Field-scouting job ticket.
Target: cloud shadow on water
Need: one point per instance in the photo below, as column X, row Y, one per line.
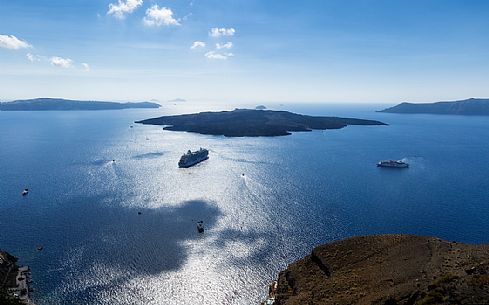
column 260, row 244
column 99, row 237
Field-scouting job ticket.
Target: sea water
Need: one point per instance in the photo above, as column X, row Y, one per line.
column 117, row 218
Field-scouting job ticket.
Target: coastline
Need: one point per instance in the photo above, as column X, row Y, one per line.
column 15, row 279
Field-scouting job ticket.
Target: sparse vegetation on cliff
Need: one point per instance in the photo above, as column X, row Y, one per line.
column 388, row 270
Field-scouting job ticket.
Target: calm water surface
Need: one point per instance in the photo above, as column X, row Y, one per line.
column 297, row 191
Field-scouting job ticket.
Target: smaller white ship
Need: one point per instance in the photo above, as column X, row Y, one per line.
column 25, row 192
column 393, row 163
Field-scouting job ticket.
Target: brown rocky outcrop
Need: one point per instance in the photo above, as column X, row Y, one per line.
column 388, row 269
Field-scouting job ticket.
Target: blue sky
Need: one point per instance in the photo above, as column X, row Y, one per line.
column 269, row 50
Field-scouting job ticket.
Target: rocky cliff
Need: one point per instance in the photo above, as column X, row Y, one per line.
column 388, row 270
column 8, row 269
column 8, row 272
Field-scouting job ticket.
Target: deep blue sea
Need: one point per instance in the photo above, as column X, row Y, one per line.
column 297, row 191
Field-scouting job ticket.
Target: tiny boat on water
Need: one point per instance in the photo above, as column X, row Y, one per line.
column 25, row 192
column 200, row 226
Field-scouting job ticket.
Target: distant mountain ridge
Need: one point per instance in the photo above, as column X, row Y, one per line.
column 47, row 104
column 471, row 106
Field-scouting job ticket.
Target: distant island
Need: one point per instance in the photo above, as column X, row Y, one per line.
column 388, row 270
column 251, row 123
column 260, row 107
column 177, row 100
column 46, row 104
column 472, row 106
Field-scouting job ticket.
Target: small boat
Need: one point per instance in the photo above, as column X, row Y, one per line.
column 139, row 213
column 200, row 226
column 40, row 247
column 269, row 301
column 393, row 164
column 272, row 292
column 25, row 192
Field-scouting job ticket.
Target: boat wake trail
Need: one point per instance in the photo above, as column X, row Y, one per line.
column 416, row 162
column 254, row 186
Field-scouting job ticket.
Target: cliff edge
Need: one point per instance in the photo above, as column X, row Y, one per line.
column 388, row 270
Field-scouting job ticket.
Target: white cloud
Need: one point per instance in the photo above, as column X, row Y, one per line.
column 61, row 62
column 198, row 45
column 185, row 18
column 57, row 61
column 217, row 55
column 33, row 57
column 156, row 16
column 227, row 45
column 218, row 32
column 12, row 42
column 123, row 7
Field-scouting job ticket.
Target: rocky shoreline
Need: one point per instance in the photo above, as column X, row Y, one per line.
column 389, row 270
column 14, row 281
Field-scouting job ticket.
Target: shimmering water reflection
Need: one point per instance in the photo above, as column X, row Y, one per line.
column 264, row 201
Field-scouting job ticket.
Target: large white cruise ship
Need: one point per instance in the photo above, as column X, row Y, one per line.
column 191, row 158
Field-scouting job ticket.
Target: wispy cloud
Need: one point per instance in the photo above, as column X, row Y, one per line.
column 227, row 45
column 13, row 43
column 123, row 7
column 186, row 17
column 218, row 32
column 86, row 66
column 198, row 45
column 61, row 62
column 57, row 61
column 33, row 58
column 217, row 55
column 156, row 16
